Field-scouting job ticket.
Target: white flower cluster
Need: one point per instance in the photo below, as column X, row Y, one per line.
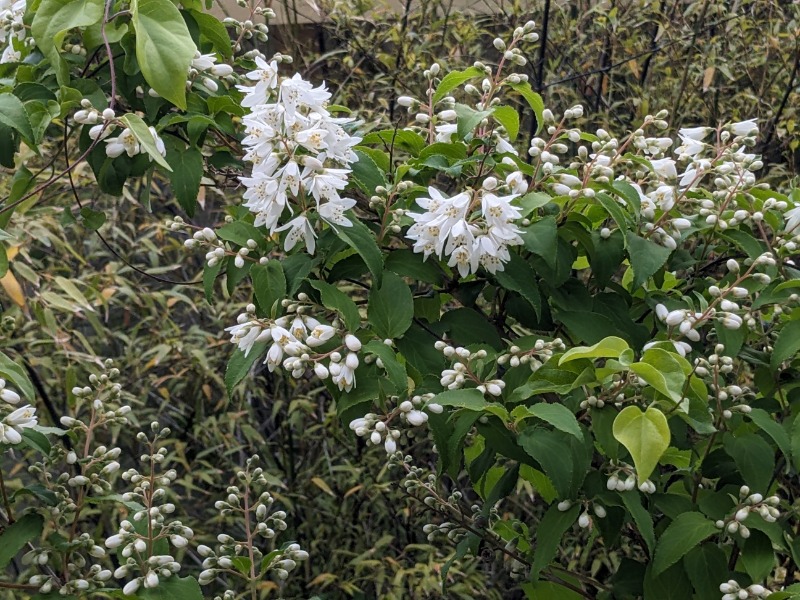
column 732, row 590
column 267, row 522
column 473, row 228
column 12, row 30
column 376, row 429
column 149, row 490
column 103, row 122
column 767, row 509
column 294, row 339
column 15, row 420
column 299, row 154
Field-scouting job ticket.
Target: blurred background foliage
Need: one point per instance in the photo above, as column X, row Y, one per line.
column 72, row 297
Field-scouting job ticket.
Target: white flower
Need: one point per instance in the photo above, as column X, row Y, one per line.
column 299, row 229
column 792, row 217
column 8, row 395
column 13, row 424
column 697, row 134
column 333, row 212
column 665, row 168
column 125, row 142
column 162, row 150
column 749, row 127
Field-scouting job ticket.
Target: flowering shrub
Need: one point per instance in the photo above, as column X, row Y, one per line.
column 605, row 323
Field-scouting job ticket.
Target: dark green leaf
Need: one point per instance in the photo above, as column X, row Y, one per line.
column 92, row 219
column 164, row 48
column 239, row 365
column 185, row 588
column 754, row 458
column 367, row 174
column 706, row 566
column 334, row 299
column 541, row 238
column 787, row 345
column 391, row 307
column 519, row 276
column 549, row 534
column 16, row 535
column 269, row 285
column 683, row 534
column 361, row 239
column 13, row 114
column 646, row 258
column 758, row 557
column 185, row 176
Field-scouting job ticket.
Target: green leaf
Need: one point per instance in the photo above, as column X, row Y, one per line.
column 533, row 99
column 787, row 345
column 758, row 557
column 92, row 219
column 269, row 285
column 394, row 369
column 683, row 534
column 662, row 371
column 646, row 258
column 610, row 347
column 471, row 399
column 558, row 415
column 185, row 176
column 214, row 31
column 16, row 535
column 16, row 375
column 13, row 114
column 549, row 534
column 391, row 307
column 795, row 442
column 541, row 238
column 454, row 79
column 518, row 276
column 366, row 173
column 545, row 448
column 642, row 518
column 773, row 429
column 185, row 588
column 335, row 299
column 164, row 48
column 509, row 119
column 706, row 566
column 361, row 239
column 239, row 365
column 672, row 584
column 397, row 138
column 469, row 119
column 145, row 138
column 645, row 434
column 754, row 458
column 36, row 440
column 51, row 22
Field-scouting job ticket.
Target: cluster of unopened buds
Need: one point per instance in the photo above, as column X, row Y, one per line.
column 15, row 420
column 248, row 29
column 376, row 429
column 104, row 121
column 623, row 479
column 534, row 357
column 464, row 366
column 714, row 367
column 767, row 508
column 585, row 520
column 204, row 65
column 296, row 336
column 732, row 590
column 260, row 520
column 135, row 549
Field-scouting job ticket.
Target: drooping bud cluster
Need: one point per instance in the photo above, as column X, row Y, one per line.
column 732, row 590
column 585, row 520
column 300, row 343
column 299, row 153
column 767, row 509
column 377, row 429
column 136, row 540
column 623, row 478
column 244, row 502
